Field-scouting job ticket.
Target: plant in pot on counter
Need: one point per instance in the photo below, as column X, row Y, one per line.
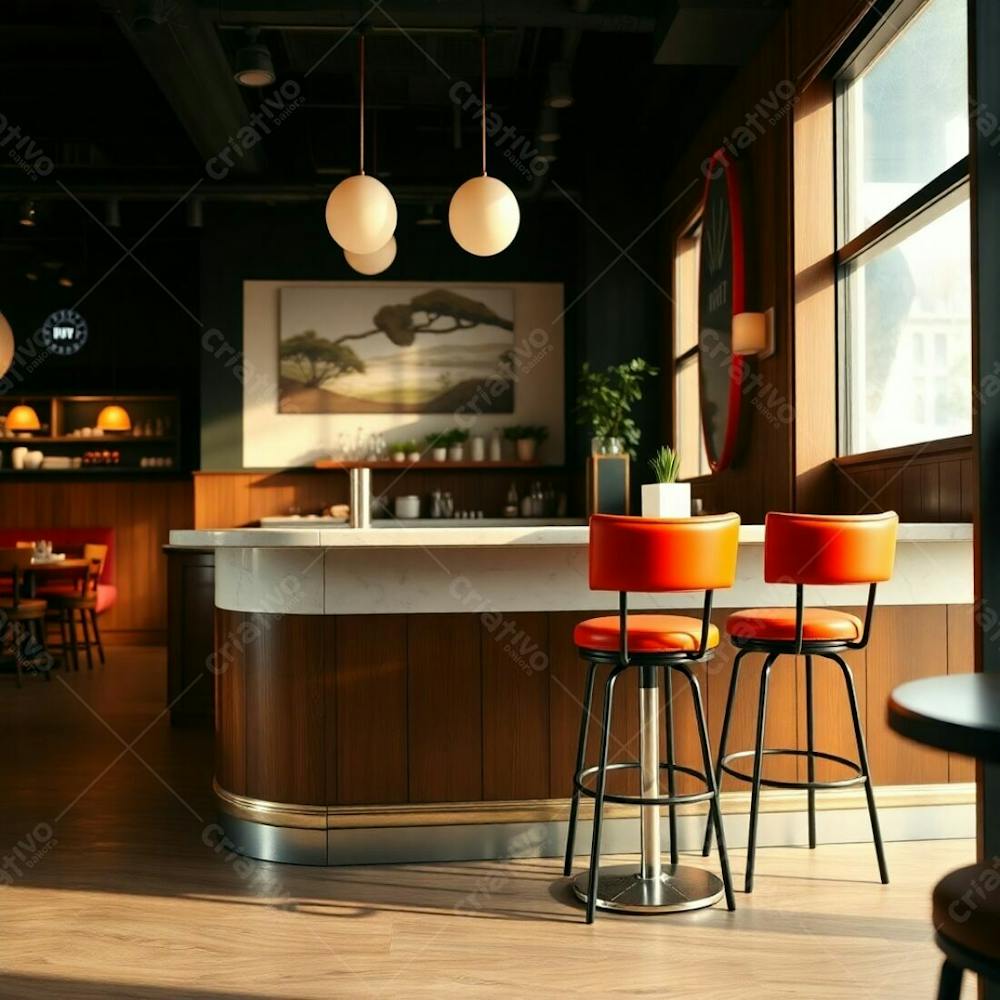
column 605, row 402
column 447, row 445
column 527, row 440
column 401, row 450
column 666, row 497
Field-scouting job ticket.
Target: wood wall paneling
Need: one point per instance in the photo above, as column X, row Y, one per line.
column 906, row 643
column 961, row 660
column 141, row 511
column 445, row 710
column 230, row 702
column 515, row 706
column 430, row 708
column 285, row 718
column 371, row 713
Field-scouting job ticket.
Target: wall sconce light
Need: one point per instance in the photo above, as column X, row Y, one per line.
column 753, row 333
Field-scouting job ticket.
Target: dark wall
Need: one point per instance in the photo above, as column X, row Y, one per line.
column 142, row 318
column 289, row 242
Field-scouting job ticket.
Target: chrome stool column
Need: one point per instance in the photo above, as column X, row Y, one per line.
column 652, row 886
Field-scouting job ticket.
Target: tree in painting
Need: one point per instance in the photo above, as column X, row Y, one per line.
column 394, row 365
column 317, row 359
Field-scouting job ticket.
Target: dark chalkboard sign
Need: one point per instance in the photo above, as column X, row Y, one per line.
column 720, row 296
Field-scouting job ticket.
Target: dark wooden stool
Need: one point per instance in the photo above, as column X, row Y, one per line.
column 22, row 619
column 76, row 608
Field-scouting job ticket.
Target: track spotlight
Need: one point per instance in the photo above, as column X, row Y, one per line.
column 29, row 214
column 560, row 92
column 254, row 66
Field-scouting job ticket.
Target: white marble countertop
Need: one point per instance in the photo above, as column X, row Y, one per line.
column 471, row 535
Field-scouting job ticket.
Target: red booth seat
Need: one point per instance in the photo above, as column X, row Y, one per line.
column 71, row 541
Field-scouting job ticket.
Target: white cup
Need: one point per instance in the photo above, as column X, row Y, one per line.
column 17, row 457
column 407, row 507
column 33, row 460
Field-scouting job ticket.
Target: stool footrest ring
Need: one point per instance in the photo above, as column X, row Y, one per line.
column 638, row 800
column 857, row 778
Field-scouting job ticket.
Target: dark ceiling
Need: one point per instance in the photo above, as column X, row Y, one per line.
column 136, row 99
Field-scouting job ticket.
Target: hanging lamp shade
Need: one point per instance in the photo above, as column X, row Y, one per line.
column 6, row 345
column 484, row 215
column 23, row 418
column 361, row 212
column 373, row 263
column 114, row 418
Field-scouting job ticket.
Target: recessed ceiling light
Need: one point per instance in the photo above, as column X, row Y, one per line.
column 430, row 216
column 548, row 128
column 560, row 91
column 29, row 214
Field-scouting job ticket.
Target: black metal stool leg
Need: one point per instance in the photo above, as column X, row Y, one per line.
column 859, row 737
column 671, row 779
column 726, row 719
column 581, row 756
column 811, row 746
column 758, row 765
column 950, row 984
column 715, row 809
column 602, row 775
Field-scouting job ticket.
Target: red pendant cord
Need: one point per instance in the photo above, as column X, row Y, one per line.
column 482, row 53
column 361, row 60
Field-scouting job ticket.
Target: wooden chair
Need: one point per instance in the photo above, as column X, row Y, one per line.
column 75, row 608
column 99, row 553
column 21, row 618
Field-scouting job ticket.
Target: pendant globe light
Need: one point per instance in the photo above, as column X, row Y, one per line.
column 6, row 345
column 361, row 212
column 484, row 215
column 372, row 263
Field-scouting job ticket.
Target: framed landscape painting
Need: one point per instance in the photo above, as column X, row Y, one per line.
column 395, row 349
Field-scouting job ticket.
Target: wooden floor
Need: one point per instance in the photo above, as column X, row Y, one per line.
column 110, row 888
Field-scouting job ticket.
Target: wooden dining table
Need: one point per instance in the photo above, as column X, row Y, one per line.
column 44, row 569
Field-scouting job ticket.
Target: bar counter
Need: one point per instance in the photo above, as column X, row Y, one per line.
column 412, row 693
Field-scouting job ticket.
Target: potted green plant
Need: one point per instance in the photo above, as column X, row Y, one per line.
column 605, row 405
column 665, row 497
column 399, row 450
column 527, row 440
column 447, row 445
column 413, row 452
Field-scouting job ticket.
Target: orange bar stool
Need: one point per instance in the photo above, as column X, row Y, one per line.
column 649, row 555
column 809, row 549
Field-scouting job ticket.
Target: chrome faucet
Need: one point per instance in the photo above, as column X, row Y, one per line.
column 361, row 498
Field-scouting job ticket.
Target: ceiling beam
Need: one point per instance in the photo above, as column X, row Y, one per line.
column 420, row 15
column 188, row 63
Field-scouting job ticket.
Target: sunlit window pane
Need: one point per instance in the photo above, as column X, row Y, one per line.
column 690, row 440
column 906, row 117
column 908, row 338
column 686, row 295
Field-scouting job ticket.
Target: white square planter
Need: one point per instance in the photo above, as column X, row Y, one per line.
column 666, row 500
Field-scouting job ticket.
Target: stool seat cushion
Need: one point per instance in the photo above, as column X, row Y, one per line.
column 646, row 634
column 818, row 625
column 966, row 908
column 26, row 608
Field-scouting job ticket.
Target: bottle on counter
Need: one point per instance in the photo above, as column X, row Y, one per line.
column 511, row 508
column 477, row 448
column 436, row 504
column 447, row 504
column 496, row 448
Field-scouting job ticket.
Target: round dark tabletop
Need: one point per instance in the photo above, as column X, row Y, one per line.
column 960, row 713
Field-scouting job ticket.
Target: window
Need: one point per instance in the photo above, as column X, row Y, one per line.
column 903, row 256
column 688, row 438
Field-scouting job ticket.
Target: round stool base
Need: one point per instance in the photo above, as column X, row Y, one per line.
column 679, row 887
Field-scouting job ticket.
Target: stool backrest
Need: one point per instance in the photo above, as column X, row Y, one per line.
column 658, row 555
column 829, row 548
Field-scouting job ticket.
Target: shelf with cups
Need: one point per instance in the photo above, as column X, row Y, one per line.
column 108, row 433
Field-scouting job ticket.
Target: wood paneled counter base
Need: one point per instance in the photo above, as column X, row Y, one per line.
column 446, row 729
